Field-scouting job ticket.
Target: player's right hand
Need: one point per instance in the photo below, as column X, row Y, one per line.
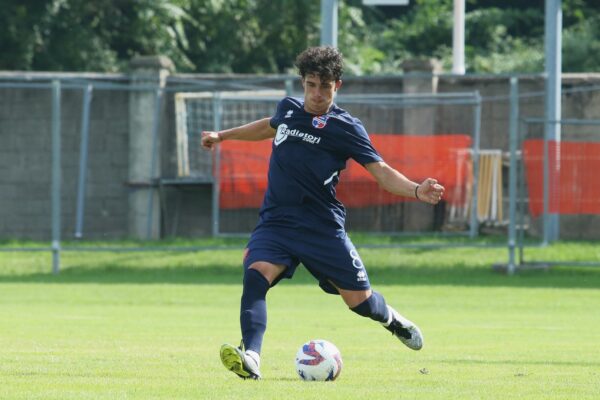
column 210, row 139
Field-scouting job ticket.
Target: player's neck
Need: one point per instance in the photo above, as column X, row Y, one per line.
column 320, row 111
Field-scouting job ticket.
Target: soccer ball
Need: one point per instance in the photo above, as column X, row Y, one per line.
column 318, row 360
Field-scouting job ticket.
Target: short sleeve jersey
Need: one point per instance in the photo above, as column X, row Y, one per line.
column 308, row 154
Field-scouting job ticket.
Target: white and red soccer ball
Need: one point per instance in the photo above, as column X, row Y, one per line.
column 318, row 360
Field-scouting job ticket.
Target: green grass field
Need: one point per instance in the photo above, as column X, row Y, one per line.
column 149, row 326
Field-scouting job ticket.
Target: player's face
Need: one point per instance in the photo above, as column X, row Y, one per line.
column 318, row 95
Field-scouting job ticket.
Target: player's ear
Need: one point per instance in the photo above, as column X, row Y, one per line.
column 338, row 84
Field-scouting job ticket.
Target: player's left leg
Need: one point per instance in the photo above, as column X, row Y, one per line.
column 335, row 262
column 370, row 303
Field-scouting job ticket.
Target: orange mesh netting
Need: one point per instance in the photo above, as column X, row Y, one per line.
column 573, row 171
column 244, row 169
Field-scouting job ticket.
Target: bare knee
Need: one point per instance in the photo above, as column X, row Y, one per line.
column 268, row 270
column 352, row 298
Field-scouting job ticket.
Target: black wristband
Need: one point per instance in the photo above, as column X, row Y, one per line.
column 416, row 195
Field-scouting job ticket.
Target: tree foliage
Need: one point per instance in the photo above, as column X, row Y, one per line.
column 249, row 36
column 264, row 36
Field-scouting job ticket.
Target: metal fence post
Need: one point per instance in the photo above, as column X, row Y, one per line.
column 83, row 159
column 154, row 160
column 553, row 55
column 289, row 87
column 512, row 177
column 329, row 23
column 56, row 177
column 474, row 224
column 217, row 124
column 522, row 133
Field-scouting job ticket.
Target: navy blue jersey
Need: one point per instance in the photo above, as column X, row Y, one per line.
column 308, row 154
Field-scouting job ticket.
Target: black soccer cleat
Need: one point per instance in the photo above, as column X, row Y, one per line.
column 405, row 330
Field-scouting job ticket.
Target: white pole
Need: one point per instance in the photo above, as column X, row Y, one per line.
column 56, row 185
column 329, row 22
column 458, row 38
column 553, row 52
column 512, row 173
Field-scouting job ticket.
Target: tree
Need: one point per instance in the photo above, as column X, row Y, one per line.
column 21, row 26
column 81, row 35
column 501, row 35
column 264, row 36
column 249, row 36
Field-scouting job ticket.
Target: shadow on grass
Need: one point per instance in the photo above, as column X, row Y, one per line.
column 556, row 277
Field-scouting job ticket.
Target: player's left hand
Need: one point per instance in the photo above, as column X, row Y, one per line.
column 429, row 191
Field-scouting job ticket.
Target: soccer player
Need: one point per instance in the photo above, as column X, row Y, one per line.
column 301, row 221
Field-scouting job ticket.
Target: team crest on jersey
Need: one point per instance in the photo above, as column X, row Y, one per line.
column 320, row 121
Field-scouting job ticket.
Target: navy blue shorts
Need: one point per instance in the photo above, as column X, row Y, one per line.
column 328, row 258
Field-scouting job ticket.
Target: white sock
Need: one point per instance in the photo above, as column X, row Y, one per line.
column 254, row 356
column 390, row 317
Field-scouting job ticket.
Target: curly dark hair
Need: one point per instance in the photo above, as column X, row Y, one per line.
column 325, row 61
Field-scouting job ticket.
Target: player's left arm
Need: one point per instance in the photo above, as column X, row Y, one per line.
column 428, row 191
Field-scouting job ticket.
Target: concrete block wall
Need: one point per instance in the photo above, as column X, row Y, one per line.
column 26, row 159
column 106, row 190
column 25, row 162
column 495, row 107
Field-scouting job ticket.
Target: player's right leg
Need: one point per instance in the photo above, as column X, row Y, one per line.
column 242, row 362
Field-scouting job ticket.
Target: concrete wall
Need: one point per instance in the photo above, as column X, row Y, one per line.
column 25, row 162
column 25, row 147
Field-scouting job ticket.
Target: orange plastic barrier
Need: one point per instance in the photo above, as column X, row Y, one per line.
column 244, row 169
column 573, row 169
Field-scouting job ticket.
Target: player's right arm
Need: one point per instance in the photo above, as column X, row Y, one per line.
column 254, row 131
